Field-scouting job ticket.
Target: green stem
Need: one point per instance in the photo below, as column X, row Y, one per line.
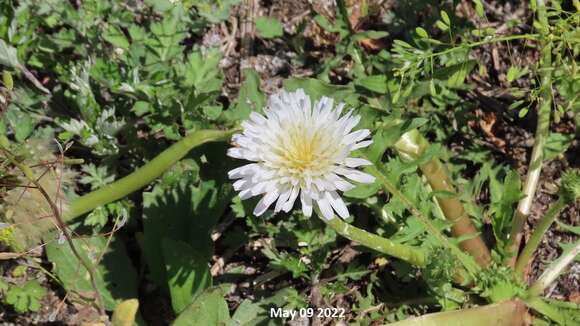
column 539, row 231
column 468, row 263
column 411, row 147
column 554, row 270
column 484, row 42
column 505, row 313
column 542, row 131
column 409, row 254
column 144, row 175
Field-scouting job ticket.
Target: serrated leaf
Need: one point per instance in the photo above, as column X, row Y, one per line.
column 249, row 99
column 557, row 144
column 115, row 36
column 202, row 71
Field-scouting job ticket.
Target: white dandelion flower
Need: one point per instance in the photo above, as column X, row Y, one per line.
column 302, row 150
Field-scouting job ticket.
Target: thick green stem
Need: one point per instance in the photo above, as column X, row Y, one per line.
column 409, row 254
column 411, row 146
column 541, row 228
column 542, row 131
column 505, row 313
column 554, row 270
column 468, row 263
column 144, row 175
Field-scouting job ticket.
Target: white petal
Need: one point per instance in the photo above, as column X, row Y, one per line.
column 306, row 201
column 258, row 118
column 242, row 171
column 362, row 144
column 282, row 200
column 288, row 205
column 325, row 208
column 245, row 194
column 337, row 203
column 353, row 162
column 239, row 184
column 356, row 136
column 356, row 175
column 265, row 202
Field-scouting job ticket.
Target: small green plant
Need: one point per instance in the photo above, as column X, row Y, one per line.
column 25, row 297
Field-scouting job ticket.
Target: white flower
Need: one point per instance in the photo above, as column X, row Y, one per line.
column 298, row 149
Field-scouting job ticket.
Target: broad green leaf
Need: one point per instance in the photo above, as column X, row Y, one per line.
column 209, row 308
column 375, row 83
column 363, row 191
column 269, row 27
column 115, row 276
column 8, row 56
column 187, row 272
column 186, row 211
column 21, row 123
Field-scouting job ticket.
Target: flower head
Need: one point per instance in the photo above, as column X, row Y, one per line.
column 299, row 149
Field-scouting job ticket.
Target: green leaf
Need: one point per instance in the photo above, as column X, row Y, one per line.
column 195, row 206
column 187, row 272
column 479, row 8
column 557, row 144
column 316, row 89
column 373, row 35
column 445, row 18
column 375, row 83
column 421, row 32
column 21, row 123
column 209, row 308
column 115, row 36
column 8, row 56
column 269, row 27
column 570, row 228
column 258, row 312
column 116, row 278
column 503, row 199
column 203, row 72
column 459, row 74
column 442, row 26
column 25, row 297
column 250, row 98
column 363, row 191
